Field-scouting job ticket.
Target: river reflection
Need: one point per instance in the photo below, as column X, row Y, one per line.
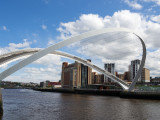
column 0, row 117
column 33, row 105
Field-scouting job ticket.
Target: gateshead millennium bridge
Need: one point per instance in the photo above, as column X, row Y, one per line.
column 38, row 53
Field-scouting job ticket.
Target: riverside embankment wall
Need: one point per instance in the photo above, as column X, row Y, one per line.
column 118, row 93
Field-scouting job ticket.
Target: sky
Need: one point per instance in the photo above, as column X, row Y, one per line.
column 41, row 23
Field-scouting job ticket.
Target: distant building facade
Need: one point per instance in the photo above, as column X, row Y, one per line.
column 94, row 77
column 48, row 84
column 125, row 76
column 145, row 76
column 156, row 79
column 97, row 78
column 75, row 75
column 135, row 64
column 134, row 67
column 120, row 76
column 110, row 67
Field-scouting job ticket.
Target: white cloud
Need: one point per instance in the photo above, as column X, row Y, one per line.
column 155, row 1
column 4, row 28
column 51, row 42
column 35, row 41
column 111, row 51
column 133, row 4
column 45, row 1
column 120, row 51
column 13, row 46
column 3, row 51
column 153, row 63
column 44, row 27
column 85, row 23
column 49, row 68
column 49, row 60
column 19, row 45
column 89, row 22
column 156, row 18
column 5, row 65
column 45, row 68
column 35, row 75
column 124, row 18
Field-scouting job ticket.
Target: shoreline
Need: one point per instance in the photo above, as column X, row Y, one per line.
column 117, row 93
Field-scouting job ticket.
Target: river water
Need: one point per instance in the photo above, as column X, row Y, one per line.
column 23, row 104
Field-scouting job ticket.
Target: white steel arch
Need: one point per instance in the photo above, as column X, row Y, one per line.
column 18, row 54
column 70, row 41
